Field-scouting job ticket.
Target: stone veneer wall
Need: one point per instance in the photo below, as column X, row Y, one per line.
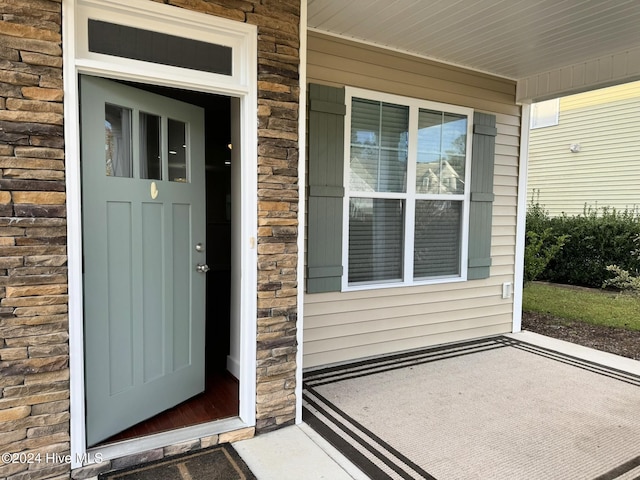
column 278, row 24
column 34, row 354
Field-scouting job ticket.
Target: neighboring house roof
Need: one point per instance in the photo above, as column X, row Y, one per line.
column 592, row 156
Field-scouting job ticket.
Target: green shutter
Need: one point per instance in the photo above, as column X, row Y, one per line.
column 326, row 170
column 480, row 209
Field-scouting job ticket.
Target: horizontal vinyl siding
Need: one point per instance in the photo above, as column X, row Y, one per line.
column 350, row 325
column 606, row 172
column 627, row 91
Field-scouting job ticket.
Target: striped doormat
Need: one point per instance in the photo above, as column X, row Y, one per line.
column 220, row 462
column 494, row 408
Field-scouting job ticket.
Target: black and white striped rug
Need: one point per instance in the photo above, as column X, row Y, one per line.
column 494, row 408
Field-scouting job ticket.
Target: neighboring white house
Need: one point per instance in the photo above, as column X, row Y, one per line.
column 584, row 151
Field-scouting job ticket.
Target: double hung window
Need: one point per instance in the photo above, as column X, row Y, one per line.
column 407, row 171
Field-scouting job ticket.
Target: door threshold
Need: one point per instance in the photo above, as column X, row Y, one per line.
column 164, row 439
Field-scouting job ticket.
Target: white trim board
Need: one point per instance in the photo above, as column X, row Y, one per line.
column 521, row 218
column 302, row 207
column 242, row 85
column 159, row 440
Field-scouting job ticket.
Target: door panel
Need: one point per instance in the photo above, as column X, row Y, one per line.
column 143, row 214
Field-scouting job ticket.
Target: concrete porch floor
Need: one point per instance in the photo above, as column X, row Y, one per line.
column 298, row 452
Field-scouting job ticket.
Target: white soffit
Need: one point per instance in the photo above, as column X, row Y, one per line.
column 549, row 46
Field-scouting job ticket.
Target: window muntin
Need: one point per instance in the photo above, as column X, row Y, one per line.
column 406, row 198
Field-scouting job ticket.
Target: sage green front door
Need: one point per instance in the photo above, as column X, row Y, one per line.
column 143, row 202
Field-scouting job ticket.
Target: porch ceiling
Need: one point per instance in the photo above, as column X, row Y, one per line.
column 548, row 46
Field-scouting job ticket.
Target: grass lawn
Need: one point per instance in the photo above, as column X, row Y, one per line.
column 587, row 305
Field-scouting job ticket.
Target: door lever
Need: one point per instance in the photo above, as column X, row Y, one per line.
column 202, row 268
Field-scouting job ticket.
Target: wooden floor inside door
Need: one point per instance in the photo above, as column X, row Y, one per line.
column 219, row 400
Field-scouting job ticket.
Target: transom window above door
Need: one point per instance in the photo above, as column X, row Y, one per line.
column 144, row 145
column 406, row 174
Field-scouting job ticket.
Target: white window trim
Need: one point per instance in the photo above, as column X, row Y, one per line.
column 242, row 85
column 414, row 105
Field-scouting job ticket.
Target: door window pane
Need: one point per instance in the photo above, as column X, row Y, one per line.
column 437, row 238
column 150, row 161
column 117, row 128
column 442, row 148
column 378, row 146
column 177, row 151
column 375, row 239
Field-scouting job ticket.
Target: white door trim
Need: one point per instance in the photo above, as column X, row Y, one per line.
column 302, row 207
column 242, row 85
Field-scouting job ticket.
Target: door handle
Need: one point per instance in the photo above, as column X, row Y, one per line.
column 202, row 268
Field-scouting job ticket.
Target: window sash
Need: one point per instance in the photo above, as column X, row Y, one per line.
column 378, row 159
column 376, row 233
column 437, row 238
column 410, row 199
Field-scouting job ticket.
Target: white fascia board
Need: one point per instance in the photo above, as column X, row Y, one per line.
column 604, row 71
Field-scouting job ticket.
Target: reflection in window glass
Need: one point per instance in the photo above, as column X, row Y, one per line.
column 177, row 151
column 378, row 146
column 442, row 146
column 150, row 161
column 117, row 127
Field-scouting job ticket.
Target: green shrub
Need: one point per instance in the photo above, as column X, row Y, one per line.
column 593, row 240
column 623, row 279
column 538, row 219
column 541, row 243
column 598, row 238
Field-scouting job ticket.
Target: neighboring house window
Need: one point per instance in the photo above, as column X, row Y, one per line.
column 407, row 166
column 545, row 114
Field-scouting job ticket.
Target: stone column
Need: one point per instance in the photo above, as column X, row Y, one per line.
column 278, row 23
